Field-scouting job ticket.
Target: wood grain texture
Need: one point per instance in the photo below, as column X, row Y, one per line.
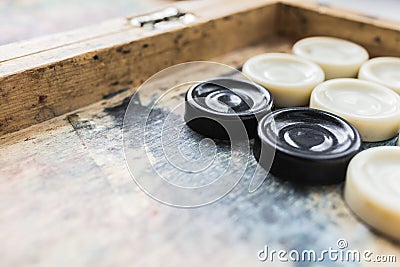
column 67, row 199
column 50, row 82
column 299, row 20
column 49, row 76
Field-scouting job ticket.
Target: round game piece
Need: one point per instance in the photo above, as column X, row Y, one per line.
column 398, row 140
column 289, row 78
column 383, row 70
column 338, row 58
column 217, row 108
column 372, row 188
column 372, row 108
column 312, row 146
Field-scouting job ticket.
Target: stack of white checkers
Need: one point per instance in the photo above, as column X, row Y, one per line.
column 337, row 76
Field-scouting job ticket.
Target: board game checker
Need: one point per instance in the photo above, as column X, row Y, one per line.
column 398, row 140
column 213, row 106
column 289, row 78
column 312, row 146
column 383, row 70
column 372, row 189
column 337, row 57
column 372, row 108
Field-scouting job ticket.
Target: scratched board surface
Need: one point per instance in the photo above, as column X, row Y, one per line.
column 68, row 199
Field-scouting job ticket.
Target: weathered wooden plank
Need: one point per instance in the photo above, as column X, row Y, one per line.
column 67, row 199
column 379, row 36
column 48, row 83
column 53, row 75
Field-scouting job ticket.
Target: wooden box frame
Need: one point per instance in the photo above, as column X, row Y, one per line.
column 50, row 76
column 68, row 170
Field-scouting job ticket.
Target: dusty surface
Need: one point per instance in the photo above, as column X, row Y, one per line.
column 67, row 199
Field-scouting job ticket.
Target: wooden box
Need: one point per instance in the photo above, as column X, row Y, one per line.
column 67, row 197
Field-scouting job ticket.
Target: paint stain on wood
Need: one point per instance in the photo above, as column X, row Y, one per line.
column 377, row 40
column 113, row 94
column 42, row 99
column 123, row 51
column 79, row 124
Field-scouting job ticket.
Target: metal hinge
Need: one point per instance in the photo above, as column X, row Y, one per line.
column 167, row 18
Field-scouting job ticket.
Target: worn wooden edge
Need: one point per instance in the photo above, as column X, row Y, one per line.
column 56, row 75
column 67, row 172
column 234, row 59
column 342, row 13
column 380, row 37
column 40, row 86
